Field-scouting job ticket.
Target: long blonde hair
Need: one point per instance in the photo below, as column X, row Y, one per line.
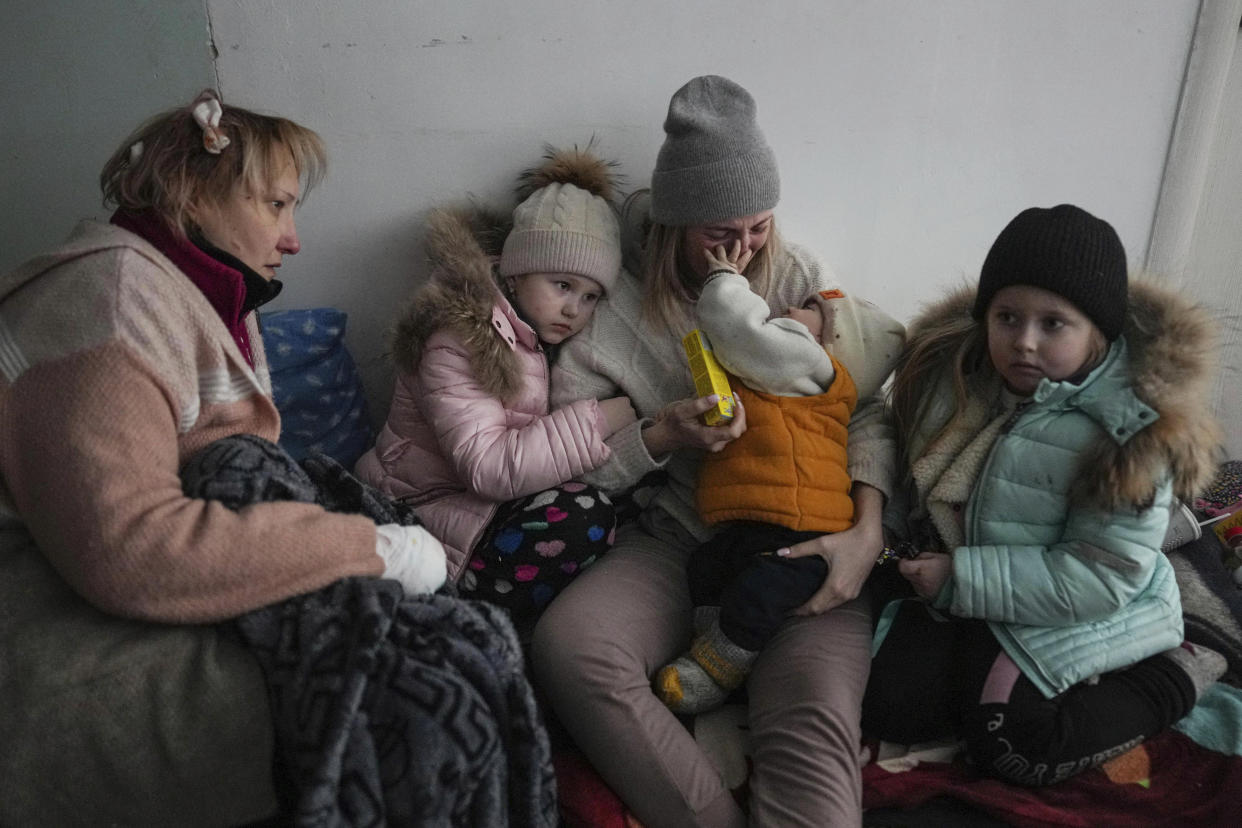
column 953, row 349
column 671, row 285
column 163, row 167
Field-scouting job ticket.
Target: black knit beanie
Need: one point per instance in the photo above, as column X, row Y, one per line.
column 1066, row 250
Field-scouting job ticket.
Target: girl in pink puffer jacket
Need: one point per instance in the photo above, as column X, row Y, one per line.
column 470, row 440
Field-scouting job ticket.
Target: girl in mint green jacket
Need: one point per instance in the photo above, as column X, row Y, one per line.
column 1048, row 422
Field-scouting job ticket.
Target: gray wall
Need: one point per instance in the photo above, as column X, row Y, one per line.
column 76, row 76
column 908, row 132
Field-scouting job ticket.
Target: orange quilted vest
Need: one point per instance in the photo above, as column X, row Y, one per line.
column 789, row 467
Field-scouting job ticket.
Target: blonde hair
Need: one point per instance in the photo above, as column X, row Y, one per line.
column 952, row 349
column 671, row 285
column 163, row 167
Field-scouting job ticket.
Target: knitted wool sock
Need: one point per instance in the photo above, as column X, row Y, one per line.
column 1204, row 666
column 703, row 678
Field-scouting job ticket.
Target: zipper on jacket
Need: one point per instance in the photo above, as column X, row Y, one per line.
column 1013, row 418
column 968, row 527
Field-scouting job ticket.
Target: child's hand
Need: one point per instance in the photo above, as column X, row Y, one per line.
column 927, row 572
column 734, row 260
column 618, row 413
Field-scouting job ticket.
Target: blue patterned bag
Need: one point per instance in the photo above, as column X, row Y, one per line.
column 315, row 385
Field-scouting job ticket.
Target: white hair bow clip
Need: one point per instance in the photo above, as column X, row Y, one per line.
column 207, row 112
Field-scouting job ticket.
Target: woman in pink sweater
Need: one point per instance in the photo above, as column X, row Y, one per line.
column 470, row 439
column 122, row 354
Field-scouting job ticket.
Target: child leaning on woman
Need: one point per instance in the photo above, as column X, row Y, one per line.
column 470, row 441
column 1047, row 421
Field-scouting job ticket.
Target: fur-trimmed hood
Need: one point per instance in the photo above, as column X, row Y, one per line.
column 461, row 297
column 1173, row 359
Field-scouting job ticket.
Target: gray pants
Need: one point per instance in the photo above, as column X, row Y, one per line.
column 601, row 640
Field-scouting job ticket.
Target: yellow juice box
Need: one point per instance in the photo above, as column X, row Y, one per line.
column 1222, row 527
column 709, row 377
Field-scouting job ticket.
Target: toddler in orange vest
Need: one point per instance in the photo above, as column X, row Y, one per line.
column 784, row 480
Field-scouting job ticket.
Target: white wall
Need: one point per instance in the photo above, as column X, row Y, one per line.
column 76, row 77
column 907, row 132
column 1213, row 274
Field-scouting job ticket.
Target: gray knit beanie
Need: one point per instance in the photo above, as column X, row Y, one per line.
column 1067, row 251
column 566, row 223
column 715, row 163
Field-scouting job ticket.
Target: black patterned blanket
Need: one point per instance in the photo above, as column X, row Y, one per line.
column 389, row 710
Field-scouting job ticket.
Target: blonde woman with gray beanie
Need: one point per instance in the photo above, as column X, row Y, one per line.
column 599, row 645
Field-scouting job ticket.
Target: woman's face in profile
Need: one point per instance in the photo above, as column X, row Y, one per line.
column 258, row 227
column 751, row 232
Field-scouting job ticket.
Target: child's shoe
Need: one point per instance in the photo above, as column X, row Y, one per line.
column 703, row 678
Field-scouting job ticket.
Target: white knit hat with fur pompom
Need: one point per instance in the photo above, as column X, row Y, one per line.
column 567, row 222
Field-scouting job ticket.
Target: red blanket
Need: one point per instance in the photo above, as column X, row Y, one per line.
column 1169, row 780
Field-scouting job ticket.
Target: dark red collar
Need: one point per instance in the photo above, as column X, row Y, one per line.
column 232, row 288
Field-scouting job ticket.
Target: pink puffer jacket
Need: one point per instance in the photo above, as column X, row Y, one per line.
column 469, row 427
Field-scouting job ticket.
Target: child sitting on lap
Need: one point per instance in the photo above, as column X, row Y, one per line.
column 784, row 480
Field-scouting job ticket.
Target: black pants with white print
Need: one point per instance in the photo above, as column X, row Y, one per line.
column 936, row 676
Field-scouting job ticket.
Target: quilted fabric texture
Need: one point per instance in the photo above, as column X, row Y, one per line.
column 315, row 385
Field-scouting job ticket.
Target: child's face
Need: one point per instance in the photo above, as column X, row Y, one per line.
column 1034, row 333
column 811, row 318
column 557, row 305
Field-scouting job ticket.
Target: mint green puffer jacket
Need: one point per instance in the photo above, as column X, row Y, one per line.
column 1066, row 511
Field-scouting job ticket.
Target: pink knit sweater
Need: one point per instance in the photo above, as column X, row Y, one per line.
column 114, row 369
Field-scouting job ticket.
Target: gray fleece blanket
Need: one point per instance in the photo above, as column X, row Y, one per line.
column 389, row 710
column 1211, row 602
